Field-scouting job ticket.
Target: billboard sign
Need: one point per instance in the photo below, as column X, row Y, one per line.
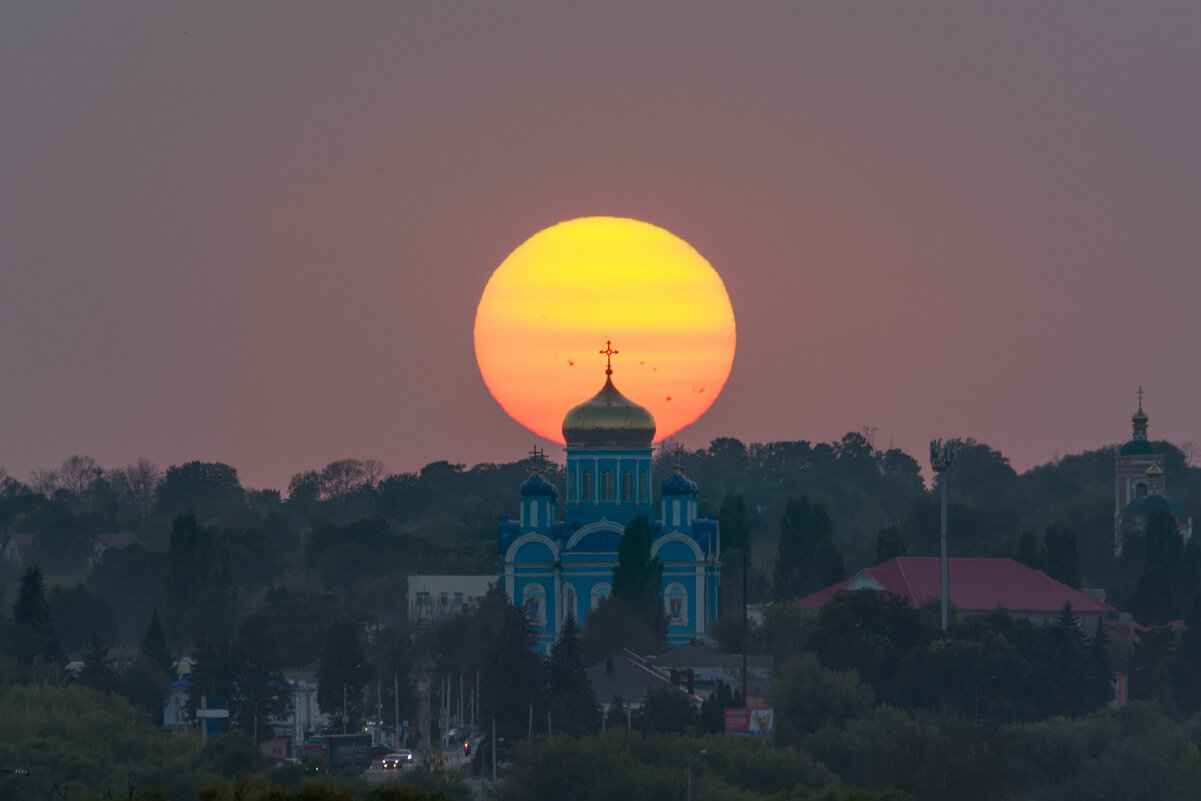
column 742, row 722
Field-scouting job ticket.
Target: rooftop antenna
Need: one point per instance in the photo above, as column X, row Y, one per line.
column 942, row 456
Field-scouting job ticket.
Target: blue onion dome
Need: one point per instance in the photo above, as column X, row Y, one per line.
column 1147, row 504
column 609, row 420
column 678, row 484
column 537, row 485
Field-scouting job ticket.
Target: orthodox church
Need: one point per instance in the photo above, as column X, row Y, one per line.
column 556, row 566
column 1139, row 484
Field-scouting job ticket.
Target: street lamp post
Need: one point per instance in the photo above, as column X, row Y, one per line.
column 690, row 756
column 942, row 456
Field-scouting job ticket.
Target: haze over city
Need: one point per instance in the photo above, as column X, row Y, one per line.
column 234, row 234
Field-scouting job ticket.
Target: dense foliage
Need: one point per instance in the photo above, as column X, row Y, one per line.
column 125, row 570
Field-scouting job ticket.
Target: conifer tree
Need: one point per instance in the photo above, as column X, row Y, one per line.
column 572, row 700
column 97, row 673
column 1186, row 664
column 1060, row 560
column 638, row 578
column 512, row 681
column 31, row 610
column 154, row 642
column 1063, row 667
column 342, row 674
column 807, row 559
column 1150, row 666
column 1160, row 595
column 1101, row 676
column 889, row 544
column 735, row 527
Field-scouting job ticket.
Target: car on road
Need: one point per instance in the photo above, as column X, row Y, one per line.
column 397, row 760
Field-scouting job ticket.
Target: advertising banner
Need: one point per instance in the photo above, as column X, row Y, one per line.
column 749, row 722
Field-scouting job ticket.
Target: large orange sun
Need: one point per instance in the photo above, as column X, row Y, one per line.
column 557, row 299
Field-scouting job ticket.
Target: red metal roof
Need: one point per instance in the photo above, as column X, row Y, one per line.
column 975, row 585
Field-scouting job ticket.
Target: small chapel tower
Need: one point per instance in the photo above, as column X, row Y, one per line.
column 1139, row 484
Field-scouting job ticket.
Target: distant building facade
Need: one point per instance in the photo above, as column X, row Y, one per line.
column 1139, row 484
column 433, row 597
column 555, row 567
column 977, row 586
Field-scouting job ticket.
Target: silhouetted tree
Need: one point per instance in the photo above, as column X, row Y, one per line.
column 1186, row 663
column 1063, row 668
column 1100, row 678
column 807, row 559
column 512, row 681
column 1027, row 552
column 206, row 489
column 1150, row 667
column 342, row 674
column 638, row 577
column 1160, row 595
column 1061, row 560
column 735, row 526
column 78, row 613
column 154, row 642
column 572, row 701
column 712, row 715
column 870, row 634
column 889, row 544
column 96, row 672
column 32, row 612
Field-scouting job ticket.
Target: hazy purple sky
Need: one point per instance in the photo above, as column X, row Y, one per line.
column 257, row 233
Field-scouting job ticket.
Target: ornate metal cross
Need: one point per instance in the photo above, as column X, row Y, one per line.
column 609, row 353
column 539, row 457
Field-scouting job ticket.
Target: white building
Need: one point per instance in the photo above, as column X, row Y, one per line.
column 432, row 597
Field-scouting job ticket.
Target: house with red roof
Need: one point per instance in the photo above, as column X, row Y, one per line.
column 976, row 587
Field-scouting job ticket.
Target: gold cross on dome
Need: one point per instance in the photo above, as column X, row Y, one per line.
column 1140, row 396
column 609, row 353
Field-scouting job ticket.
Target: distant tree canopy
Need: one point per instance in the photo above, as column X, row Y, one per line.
column 807, row 558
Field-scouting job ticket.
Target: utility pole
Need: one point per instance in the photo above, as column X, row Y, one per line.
column 745, row 628
column 942, row 456
column 698, row 753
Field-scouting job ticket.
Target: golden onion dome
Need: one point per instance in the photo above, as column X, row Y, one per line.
column 609, row 420
column 1139, row 417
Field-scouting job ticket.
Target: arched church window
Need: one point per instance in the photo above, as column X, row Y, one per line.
column 606, row 486
column 600, row 593
column 533, row 604
column 586, row 485
column 1140, row 490
column 645, row 481
column 569, row 609
column 627, row 486
column 675, row 604
column 571, row 484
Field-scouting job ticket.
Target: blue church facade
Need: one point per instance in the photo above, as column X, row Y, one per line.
column 556, row 566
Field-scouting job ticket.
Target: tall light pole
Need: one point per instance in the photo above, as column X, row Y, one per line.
column 942, row 456
column 690, row 756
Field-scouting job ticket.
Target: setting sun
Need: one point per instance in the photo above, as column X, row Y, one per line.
column 555, row 301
